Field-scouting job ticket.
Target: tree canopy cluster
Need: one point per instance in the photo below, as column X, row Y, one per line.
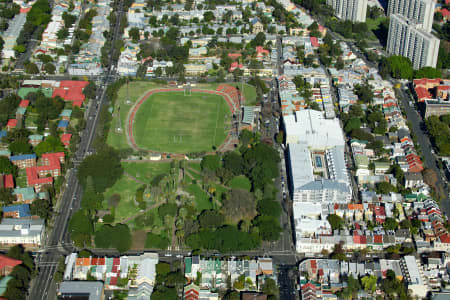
column 103, row 167
column 439, row 129
column 21, row 274
column 246, row 217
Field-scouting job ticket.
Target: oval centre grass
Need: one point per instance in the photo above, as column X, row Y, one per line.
column 174, row 123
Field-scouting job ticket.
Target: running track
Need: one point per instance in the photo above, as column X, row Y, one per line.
column 135, row 108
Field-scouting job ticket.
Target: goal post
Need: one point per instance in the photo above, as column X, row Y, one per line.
column 187, row 89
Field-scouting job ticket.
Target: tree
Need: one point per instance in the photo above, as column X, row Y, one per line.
column 167, row 209
column 352, row 124
column 210, row 219
column 385, row 188
column 81, row 228
column 117, row 236
column 211, row 162
column 49, row 68
column 20, row 147
column 156, row 241
column 41, row 208
column 31, row 68
column 269, row 228
column 268, row 207
column 208, row 16
column 270, row 287
column 390, row 224
column 90, row 90
column 134, row 34
column 239, row 204
column 158, row 72
column 335, row 221
column 114, row 200
column 49, row 145
column 104, row 167
column 6, row 196
column 428, row 72
column 259, row 40
column 6, row 166
column 233, row 162
column 400, row 67
column 369, row 283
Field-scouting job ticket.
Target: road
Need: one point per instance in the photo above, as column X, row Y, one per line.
column 34, row 41
column 286, row 282
column 418, row 128
column 58, row 242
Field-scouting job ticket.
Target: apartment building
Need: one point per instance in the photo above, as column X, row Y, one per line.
column 407, row 38
column 422, row 11
column 353, row 10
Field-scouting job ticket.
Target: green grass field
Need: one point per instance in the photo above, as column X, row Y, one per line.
column 240, row 182
column 201, row 198
column 136, row 90
column 172, row 122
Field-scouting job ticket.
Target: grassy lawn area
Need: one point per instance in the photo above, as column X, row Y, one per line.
column 136, row 90
column 201, row 198
column 194, row 165
column 240, row 182
column 249, row 93
column 21, row 179
column 126, row 188
column 172, row 122
column 146, row 171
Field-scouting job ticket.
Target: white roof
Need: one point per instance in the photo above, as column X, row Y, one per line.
column 301, row 165
column 310, row 126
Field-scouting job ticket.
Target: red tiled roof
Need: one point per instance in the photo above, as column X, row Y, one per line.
column 116, row 261
column 6, row 261
column 445, row 12
column 260, row 49
column 314, row 41
column 422, row 93
column 309, row 285
column 101, row 261
column 24, row 103
column 94, row 261
column 424, row 81
column 113, row 281
column 378, row 239
column 8, row 181
column 321, row 272
column 234, row 55
column 445, row 238
column 12, row 123
column 71, row 90
column 65, row 139
column 443, row 87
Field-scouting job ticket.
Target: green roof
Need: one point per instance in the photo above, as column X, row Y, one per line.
column 27, row 192
column 358, row 141
column 66, row 113
column 361, row 160
column 23, row 92
column 188, row 265
column 4, row 284
column 36, row 137
column 5, row 153
column 21, row 110
column 382, row 164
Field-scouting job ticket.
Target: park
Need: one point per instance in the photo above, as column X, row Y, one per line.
column 197, row 194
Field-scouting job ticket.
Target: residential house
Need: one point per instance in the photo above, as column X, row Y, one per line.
column 7, row 264
column 24, row 161
column 28, row 232
column 17, row 211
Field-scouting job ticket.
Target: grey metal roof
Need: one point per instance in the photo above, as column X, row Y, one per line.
column 91, row 288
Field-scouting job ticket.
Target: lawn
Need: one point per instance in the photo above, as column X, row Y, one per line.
column 240, row 182
column 126, row 188
column 201, row 198
column 172, row 122
column 146, row 171
column 136, row 90
column 249, row 90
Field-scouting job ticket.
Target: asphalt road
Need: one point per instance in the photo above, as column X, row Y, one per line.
column 286, row 282
column 418, row 127
column 58, row 242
